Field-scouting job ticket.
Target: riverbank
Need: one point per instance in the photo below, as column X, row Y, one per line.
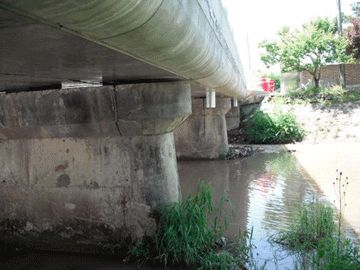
column 332, row 143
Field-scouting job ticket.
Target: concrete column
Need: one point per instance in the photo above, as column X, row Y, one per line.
column 233, row 118
column 86, row 166
column 203, row 135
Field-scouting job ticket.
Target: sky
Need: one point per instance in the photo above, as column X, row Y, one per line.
column 255, row 20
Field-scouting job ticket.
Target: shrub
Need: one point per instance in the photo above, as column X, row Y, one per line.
column 278, row 128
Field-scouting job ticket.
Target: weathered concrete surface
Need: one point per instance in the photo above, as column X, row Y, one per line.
column 246, row 110
column 233, row 118
column 140, row 109
column 165, row 106
column 255, row 96
column 203, row 135
column 192, row 40
column 62, row 188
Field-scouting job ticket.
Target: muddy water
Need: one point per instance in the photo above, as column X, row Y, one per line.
column 266, row 191
column 321, row 162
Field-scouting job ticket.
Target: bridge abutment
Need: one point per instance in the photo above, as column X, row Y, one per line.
column 86, row 166
column 203, row 135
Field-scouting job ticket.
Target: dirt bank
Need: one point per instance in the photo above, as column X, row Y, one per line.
column 338, row 123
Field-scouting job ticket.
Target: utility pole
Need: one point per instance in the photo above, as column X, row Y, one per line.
column 341, row 65
column 248, row 49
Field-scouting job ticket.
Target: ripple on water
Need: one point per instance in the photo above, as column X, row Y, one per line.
column 266, row 190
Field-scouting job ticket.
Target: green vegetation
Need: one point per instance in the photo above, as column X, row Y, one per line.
column 187, row 236
column 307, row 48
column 279, row 127
column 325, row 95
column 315, row 223
column 353, row 32
column 276, row 78
column 317, row 239
column 322, row 95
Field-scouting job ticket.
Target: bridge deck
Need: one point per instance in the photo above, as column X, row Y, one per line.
column 35, row 55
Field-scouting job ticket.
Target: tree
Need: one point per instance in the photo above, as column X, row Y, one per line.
column 314, row 45
column 353, row 35
column 353, row 32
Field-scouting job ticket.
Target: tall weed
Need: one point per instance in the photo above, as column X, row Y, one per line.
column 187, row 235
column 314, row 236
column 279, row 127
column 315, row 223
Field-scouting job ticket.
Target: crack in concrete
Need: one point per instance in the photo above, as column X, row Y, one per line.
column 115, row 110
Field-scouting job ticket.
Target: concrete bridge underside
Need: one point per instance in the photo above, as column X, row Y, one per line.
column 81, row 167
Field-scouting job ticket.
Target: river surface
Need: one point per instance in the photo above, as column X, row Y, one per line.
column 266, row 191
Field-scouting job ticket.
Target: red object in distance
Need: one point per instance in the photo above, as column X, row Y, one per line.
column 267, row 86
column 264, row 84
column 271, row 85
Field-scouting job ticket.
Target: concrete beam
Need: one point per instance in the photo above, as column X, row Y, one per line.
column 140, row 109
column 163, row 107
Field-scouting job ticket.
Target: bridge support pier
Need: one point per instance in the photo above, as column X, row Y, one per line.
column 86, row 166
column 203, row 135
column 233, row 118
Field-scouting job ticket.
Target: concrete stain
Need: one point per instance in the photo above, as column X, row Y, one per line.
column 63, row 181
column 61, row 166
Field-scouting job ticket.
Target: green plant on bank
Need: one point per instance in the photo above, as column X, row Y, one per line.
column 279, row 127
column 187, row 236
column 322, row 95
column 318, row 240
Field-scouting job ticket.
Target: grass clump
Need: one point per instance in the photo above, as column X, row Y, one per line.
column 185, row 233
column 315, row 223
column 279, row 127
column 187, row 236
column 314, row 236
column 323, row 95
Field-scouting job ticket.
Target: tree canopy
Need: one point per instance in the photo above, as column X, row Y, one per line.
column 308, row 48
column 353, row 32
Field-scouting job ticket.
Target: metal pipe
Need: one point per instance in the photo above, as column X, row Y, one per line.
column 235, row 102
column 210, row 99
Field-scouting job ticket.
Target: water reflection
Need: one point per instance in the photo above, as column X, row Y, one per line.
column 222, row 176
column 266, row 191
